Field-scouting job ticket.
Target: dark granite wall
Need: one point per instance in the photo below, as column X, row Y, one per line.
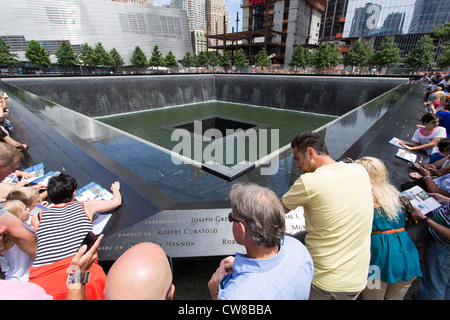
column 99, row 96
column 324, row 95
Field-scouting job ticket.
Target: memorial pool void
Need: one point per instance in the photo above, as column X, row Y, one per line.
column 119, row 128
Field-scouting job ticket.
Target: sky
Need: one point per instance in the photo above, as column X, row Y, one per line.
column 233, row 6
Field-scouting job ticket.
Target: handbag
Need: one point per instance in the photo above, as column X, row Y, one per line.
column 408, row 211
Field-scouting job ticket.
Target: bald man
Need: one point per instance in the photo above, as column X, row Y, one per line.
column 143, row 272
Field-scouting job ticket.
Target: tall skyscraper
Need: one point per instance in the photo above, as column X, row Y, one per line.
column 216, row 18
column 424, row 10
column 195, row 10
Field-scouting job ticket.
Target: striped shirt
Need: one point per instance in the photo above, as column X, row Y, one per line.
column 441, row 216
column 60, row 232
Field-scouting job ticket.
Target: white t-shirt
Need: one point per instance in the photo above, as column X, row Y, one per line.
column 19, row 262
column 422, row 138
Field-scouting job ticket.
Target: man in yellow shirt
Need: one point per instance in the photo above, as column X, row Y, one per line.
column 338, row 205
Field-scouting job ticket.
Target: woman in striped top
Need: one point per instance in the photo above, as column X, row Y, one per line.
column 435, row 283
column 60, row 231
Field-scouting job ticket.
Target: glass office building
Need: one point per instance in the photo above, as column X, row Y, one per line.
column 345, row 21
column 116, row 25
column 367, row 18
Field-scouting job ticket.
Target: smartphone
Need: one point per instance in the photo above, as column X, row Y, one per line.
column 89, row 240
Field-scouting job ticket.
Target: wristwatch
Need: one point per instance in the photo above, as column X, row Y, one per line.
column 78, row 277
column 425, row 219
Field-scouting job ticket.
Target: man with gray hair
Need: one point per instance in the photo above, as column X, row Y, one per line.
column 9, row 160
column 276, row 266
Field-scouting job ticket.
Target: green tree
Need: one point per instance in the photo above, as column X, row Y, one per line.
column 86, row 55
column 327, row 55
column 138, row 58
column 170, row 60
column 116, row 58
column 388, row 53
column 187, row 60
column 422, row 55
column 262, row 58
column 212, row 59
column 301, row 57
column 359, row 55
column 194, row 60
column 37, row 54
column 156, row 59
column 225, row 60
column 6, row 57
column 443, row 32
column 65, row 55
column 101, row 57
column 202, row 59
column 444, row 58
column 241, row 59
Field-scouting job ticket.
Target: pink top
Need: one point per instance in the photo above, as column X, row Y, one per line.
column 21, row 290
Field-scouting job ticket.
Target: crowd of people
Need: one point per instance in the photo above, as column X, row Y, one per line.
column 356, row 246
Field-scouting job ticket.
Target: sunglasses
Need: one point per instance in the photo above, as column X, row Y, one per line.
column 231, row 219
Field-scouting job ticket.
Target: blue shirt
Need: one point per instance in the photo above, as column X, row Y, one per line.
column 286, row 276
column 444, row 120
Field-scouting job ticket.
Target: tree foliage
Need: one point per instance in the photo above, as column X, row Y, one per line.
column 65, row 55
column 241, row 59
column 213, row 60
column 443, row 32
column 116, row 58
column 422, row 55
column 187, row 60
column 327, row 55
column 225, row 60
column 37, row 54
column 360, row 54
column 302, row 57
column 202, row 59
column 170, row 60
column 6, row 56
column 262, row 58
column 86, row 55
column 101, row 57
column 388, row 53
column 138, row 58
column 156, row 59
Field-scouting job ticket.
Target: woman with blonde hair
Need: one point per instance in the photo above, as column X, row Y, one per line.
column 394, row 261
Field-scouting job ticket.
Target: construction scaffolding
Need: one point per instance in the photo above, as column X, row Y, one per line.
column 259, row 33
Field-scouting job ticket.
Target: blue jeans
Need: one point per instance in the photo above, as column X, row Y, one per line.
column 434, row 285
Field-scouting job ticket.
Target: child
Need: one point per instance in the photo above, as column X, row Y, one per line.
column 19, row 262
column 28, row 195
column 426, row 138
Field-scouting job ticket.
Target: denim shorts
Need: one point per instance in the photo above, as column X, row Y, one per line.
column 434, row 285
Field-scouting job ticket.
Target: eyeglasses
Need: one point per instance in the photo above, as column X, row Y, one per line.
column 231, row 219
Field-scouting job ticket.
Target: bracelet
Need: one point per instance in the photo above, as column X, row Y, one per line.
column 78, row 277
column 426, row 219
column 426, row 177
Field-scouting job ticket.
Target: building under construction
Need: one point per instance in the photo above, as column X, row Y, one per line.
column 276, row 25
